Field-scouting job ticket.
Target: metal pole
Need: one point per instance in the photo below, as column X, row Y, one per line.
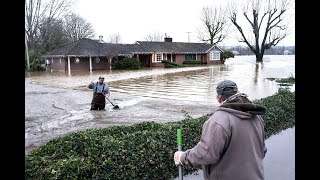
column 28, row 63
column 179, row 141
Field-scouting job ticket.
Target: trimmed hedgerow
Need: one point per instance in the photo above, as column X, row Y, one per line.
column 169, row 64
column 192, row 62
column 280, row 111
column 140, row 151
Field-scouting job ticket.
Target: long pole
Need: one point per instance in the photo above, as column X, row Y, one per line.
column 27, row 52
column 179, row 142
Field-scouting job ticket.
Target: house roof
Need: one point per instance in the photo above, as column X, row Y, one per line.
column 89, row 47
column 172, row 47
column 84, row 47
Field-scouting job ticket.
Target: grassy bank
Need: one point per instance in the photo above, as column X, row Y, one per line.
column 140, row 151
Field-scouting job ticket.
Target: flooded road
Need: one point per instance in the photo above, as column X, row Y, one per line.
column 57, row 103
column 191, row 83
column 52, row 112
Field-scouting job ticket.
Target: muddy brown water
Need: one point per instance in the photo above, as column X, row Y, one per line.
column 57, row 103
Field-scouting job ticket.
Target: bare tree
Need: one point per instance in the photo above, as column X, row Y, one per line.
column 156, row 36
column 52, row 35
column 33, row 14
column 77, row 28
column 115, row 38
column 42, row 11
column 265, row 18
column 214, row 23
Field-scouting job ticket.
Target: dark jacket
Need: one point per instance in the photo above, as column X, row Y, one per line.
column 232, row 144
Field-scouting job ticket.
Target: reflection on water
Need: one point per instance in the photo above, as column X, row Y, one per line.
column 191, row 84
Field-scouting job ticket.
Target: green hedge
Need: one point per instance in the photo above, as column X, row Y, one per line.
column 140, row 151
column 169, row 64
column 227, row 54
column 280, row 111
column 192, row 62
column 128, row 64
column 36, row 61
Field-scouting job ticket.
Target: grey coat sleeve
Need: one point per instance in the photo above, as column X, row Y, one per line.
column 210, row 147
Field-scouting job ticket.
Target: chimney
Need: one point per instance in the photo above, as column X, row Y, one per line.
column 101, row 39
column 167, row 39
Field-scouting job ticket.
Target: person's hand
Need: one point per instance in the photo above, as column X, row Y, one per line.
column 176, row 157
column 106, row 94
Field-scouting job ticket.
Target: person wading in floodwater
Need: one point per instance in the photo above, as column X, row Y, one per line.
column 100, row 91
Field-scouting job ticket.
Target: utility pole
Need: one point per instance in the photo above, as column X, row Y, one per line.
column 27, row 51
column 188, row 36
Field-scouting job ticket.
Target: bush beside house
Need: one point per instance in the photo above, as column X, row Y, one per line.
column 169, row 64
column 226, row 55
column 35, row 60
column 128, row 64
column 192, row 62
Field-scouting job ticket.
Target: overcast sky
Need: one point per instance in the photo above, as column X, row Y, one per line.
column 134, row 19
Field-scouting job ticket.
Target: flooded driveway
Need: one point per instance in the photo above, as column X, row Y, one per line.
column 57, row 103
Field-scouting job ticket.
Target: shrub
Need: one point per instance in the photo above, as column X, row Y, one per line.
column 226, row 55
column 280, row 111
column 128, row 63
column 35, row 60
column 169, row 64
column 139, row 151
column 192, row 62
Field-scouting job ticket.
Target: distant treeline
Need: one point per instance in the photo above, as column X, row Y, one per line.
column 275, row 50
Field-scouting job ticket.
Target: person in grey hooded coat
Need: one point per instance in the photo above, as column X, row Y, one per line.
column 232, row 144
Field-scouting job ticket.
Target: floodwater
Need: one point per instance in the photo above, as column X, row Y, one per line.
column 57, row 103
column 279, row 162
column 191, row 84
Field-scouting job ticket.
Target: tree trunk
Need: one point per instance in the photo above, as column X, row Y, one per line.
column 259, row 57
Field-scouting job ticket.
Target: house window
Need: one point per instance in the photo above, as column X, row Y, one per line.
column 214, row 55
column 77, row 60
column 190, row 57
column 97, row 60
column 159, row 57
